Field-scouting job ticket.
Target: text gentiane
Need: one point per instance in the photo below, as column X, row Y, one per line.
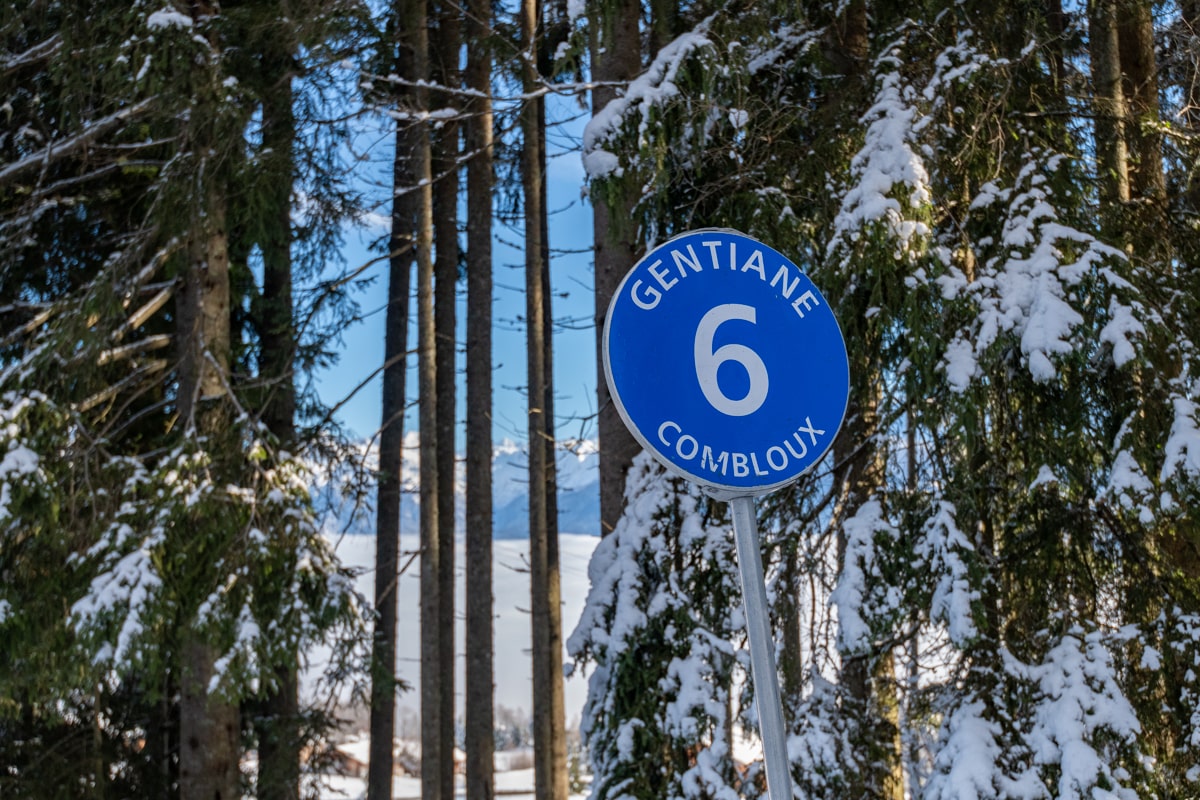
column 721, row 255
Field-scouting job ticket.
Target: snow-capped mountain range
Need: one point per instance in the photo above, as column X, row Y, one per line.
column 578, row 491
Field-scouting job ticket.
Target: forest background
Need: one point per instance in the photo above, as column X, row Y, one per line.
column 989, row 588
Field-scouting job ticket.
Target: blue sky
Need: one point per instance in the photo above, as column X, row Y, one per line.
column 571, row 281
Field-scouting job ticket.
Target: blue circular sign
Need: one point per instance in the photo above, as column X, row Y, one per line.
column 726, row 362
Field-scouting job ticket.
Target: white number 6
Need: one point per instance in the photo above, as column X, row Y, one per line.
column 708, row 362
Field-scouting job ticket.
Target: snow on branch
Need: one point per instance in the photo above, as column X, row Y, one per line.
column 168, row 17
column 1023, row 291
column 856, row 597
column 1080, row 700
column 38, row 52
column 944, row 549
column 890, row 179
column 64, row 147
column 125, row 588
column 1044, row 729
column 652, row 88
column 969, row 763
column 19, row 461
column 1181, row 454
column 655, row 631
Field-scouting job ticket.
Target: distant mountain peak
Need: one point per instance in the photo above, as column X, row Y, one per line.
column 343, row 512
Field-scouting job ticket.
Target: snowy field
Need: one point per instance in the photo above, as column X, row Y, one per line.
column 514, row 687
column 515, row 785
column 513, row 671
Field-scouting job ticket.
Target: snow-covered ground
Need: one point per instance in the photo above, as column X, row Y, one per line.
column 513, row 678
column 510, row 782
column 514, row 785
column 351, row 529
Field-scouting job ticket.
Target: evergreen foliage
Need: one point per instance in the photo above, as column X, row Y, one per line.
column 128, row 529
column 659, row 630
column 987, row 570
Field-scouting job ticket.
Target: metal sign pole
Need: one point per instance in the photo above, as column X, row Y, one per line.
column 762, row 655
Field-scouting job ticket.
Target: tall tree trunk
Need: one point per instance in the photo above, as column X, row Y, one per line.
column 616, row 59
column 664, row 23
column 550, row 774
column 387, row 519
column 444, row 64
column 402, row 247
column 1112, row 152
column 1189, row 12
column 791, row 656
column 277, row 329
column 480, row 692
column 1139, row 87
column 1056, row 26
column 867, row 677
column 208, row 729
column 209, row 726
column 909, row 730
column 401, row 251
column 432, row 681
column 1149, row 237
column 859, row 468
column 847, row 41
column 279, row 734
column 552, row 576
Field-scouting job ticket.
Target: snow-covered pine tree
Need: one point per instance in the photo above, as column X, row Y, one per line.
column 134, row 532
column 735, row 123
column 658, row 633
column 1029, row 368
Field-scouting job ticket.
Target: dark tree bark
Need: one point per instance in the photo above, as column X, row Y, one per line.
column 867, row 677
column 555, row 700
column 401, row 252
column 791, row 666
column 1189, row 13
column 279, row 734
column 847, row 41
column 208, row 730
column 1139, row 87
column 444, row 65
column 550, row 769
column 616, row 59
column 1112, row 151
column 209, row 726
column 664, row 23
column 387, row 520
column 1056, row 25
column 432, row 755
column 480, row 691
